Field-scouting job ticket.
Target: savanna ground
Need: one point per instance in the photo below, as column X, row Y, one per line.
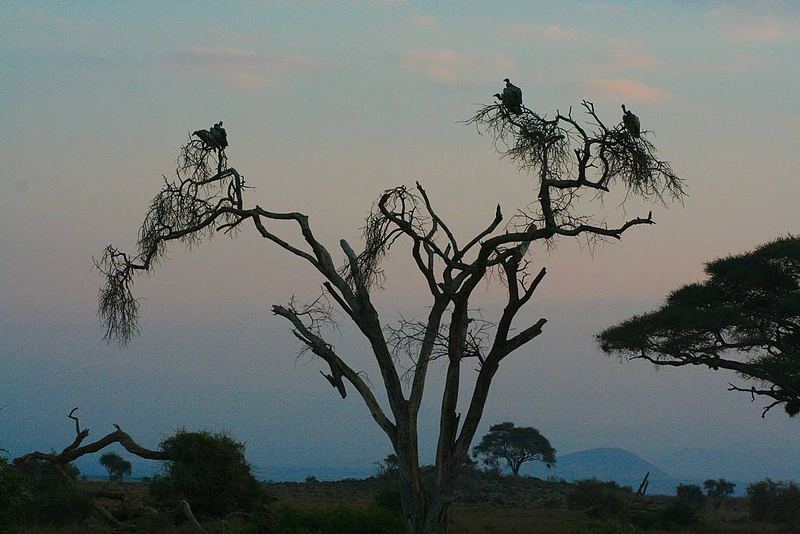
column 503, row 505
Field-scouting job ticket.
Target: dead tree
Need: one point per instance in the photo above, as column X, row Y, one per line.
column 77, row 448
column 570, row 158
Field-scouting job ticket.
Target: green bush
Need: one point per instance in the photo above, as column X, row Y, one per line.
column 775, row 502
column 210, row 471
column 52, row 496
column 11, row 488
column 598, row 498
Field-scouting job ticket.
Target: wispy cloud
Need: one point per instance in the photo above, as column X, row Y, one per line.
column 452, row 67
column 424, row 21
column 552, row 31
column 624, row 89
column 39, row 16
column 630, row 60
column 242, row 68
column 754, row 25
column 762, row 31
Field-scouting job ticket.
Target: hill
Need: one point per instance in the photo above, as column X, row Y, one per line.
column 619, row 465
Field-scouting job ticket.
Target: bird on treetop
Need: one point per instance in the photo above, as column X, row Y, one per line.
column 631, row 122
column 511, row 97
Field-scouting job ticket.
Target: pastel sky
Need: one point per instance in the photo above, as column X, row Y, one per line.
column 327, row 104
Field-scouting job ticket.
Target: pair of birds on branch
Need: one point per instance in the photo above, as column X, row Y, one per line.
column 214, row 138
column 511, row 99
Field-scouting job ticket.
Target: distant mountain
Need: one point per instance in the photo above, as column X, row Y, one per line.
column 615, row 464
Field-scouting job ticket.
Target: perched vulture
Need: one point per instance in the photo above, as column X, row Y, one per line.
column 206, row 137
column 631, row 122
column 214, row 138
column 511, row 97
column 220, row 135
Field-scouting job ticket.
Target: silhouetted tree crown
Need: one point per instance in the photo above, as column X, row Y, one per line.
column 718, row 490
column 210, row 471
column 116, row 466
column 515, row 445
column 745, row 317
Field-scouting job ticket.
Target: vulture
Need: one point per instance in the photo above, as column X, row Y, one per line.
column 511, row 97
column 206, row 137
column 213, row 138
column 220, row 135
column 631, row 122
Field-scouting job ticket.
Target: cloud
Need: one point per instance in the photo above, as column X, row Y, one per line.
column 452, row 67
column 631, row 60
column 763, row 31
column 70, row 25
column 242, row 68
column 623, row 89
column 424, row 21
column 552, row 31
column 756, row 24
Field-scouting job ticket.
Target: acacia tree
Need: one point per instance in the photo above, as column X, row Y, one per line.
column 569, row 158
column 745, row 318
column 514, row 444
column 116, row 466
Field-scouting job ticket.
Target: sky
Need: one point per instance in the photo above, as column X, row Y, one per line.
column 327, row 104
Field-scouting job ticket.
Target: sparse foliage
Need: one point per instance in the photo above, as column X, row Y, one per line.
column 515, row 445
column 718, row 490
column 745, row 317
column 570, row 160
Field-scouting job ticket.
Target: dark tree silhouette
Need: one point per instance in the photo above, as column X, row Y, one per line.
column 514, row 444
column 207, row 195
column 718, row 490
column 745, row 317
column 116, row 466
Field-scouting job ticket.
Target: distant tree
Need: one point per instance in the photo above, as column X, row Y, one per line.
column 745, row 317
column 777, row 502
column 388, row 467
column 515, row 445
column 116, row 466
column 718, row 490
column 575, row 161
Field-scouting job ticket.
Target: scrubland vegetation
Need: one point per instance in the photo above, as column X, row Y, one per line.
column 211, row 474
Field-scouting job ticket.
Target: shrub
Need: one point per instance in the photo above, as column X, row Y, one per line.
column 692, row 495
column 598, row 498
column 775, row 502
column 210, row 471
column 52, row 497
column 388, row 496
column 11, row 488
column 679, row 512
